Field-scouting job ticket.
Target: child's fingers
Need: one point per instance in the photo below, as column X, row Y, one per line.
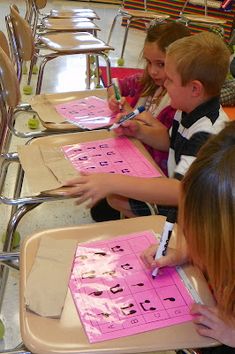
column 205, row 316
column 123, row 100
column 77, row 180
column 92, row 200
column 84, row 173
column 204, row 311
column 75, row 191
column 147, row 256
column 118, row 117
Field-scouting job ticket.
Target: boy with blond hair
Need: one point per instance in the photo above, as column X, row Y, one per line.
column 196, row 68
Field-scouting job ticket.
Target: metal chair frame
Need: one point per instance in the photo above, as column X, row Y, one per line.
column 56, row 46
column 205, row 20
column 133, row 15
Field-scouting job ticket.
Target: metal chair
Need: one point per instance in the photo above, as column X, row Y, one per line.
column 205, row 20
column 41, row 105
column 132, row 15
column 59, row 44
column 33, row 6
column 35, row 18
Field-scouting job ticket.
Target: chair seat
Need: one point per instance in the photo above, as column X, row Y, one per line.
column 74, row 13
column 143, row 14
column 79, row 24
column 215, row 4
column 72, row 42
column 203, row 19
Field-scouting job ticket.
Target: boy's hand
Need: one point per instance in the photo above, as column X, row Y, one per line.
column 146, row 118
column 128, row 128
column 209, row 324
column 89, row 186
column 173, row 257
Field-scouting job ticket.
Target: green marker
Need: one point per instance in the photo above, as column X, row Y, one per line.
column 117, row 92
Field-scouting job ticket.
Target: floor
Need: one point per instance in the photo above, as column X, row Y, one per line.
column 70, row 76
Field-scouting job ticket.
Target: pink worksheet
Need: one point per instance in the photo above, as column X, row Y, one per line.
column 115, row 294
column 112, row 155
column 88, row 113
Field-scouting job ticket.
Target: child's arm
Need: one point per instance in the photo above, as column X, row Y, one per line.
column 210, row 324
column 164, row 191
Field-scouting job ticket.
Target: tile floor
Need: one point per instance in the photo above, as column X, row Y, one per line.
column 69, row 77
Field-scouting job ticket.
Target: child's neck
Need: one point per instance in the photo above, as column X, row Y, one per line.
column 192, row 105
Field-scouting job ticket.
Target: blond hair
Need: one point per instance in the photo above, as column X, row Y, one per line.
column 207, row 215
column 204, row 57
column 163, row 34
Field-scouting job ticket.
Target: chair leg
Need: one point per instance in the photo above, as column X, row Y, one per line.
column 108, row 67
column 125, row 36
column 40, row 73
column 12, row 225
column 32, row 63
column 88, row 72
column 112, row 27
column 97, row 70
column 185, row 5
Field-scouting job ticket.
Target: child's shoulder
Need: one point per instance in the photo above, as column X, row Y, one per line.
column 208, row 118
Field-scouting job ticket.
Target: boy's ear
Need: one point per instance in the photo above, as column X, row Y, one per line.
column 197, row 88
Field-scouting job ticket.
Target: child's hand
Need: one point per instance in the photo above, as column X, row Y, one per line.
column 128, row 128
column 146, row 118
column 209, row 324
column 89, row 186
column 114, row 104
column 172, row 258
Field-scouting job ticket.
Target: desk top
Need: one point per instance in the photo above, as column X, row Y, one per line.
column 52, row 167
column 66, row 335
column 44, row 105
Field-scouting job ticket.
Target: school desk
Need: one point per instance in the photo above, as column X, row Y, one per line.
column 66, row 335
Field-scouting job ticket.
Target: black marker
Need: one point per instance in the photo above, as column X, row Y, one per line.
column 128, row 116
column 165, row 237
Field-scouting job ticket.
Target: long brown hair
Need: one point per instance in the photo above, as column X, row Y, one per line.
column 163, row 34
column 207, row 215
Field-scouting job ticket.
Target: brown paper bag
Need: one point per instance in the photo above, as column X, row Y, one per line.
column 47, row 283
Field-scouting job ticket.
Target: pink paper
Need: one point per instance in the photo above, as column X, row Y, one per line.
column 88, row 113
column 115, row 294
column 113, row 155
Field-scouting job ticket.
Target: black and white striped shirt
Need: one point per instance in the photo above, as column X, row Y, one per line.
column 190, row 131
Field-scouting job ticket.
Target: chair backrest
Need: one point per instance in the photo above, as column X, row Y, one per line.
column 215, row 4
column 23, row 35
column 40, row 4
column 10, row 89
column 9, row 98
column 4, row 44
column 20, row 39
